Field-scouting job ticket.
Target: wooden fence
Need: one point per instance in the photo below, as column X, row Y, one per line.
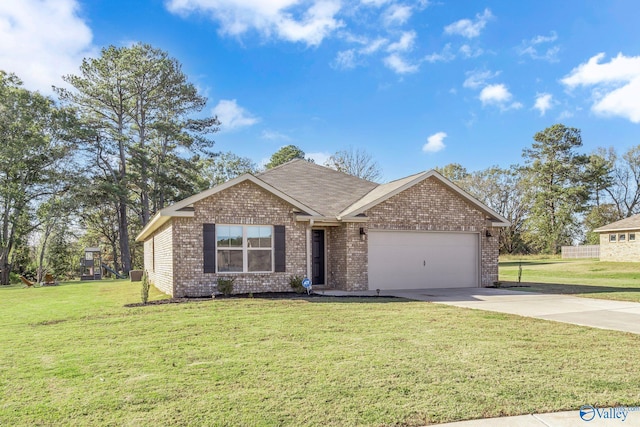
column 585, row 251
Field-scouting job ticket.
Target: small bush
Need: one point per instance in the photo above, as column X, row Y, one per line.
column 296, row 284
column 225, row 285
column 14, row 278
column 144, row 292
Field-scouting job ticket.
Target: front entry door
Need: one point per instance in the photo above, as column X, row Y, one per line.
column 317, row 257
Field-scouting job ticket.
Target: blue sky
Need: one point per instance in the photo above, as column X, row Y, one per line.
column 418, row 84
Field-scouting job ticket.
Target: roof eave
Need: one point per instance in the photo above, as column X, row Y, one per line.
column 177, row 209
column 158, row 220
column 607, row 230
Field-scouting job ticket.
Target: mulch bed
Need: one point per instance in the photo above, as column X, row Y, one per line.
column 260, row 295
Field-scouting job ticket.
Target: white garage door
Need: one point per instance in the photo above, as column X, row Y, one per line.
column 414, row 260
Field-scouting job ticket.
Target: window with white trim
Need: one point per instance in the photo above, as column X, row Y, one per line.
column 632, row 237
column 244, row 248
column 612, row 237
column 622, row 237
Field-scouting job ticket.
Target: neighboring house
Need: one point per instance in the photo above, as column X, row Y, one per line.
column 301, row 219
column 619, row 240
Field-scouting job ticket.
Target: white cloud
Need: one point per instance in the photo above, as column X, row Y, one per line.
column 544, row 102
column 477, row 78
column 469, row 52
column 397, row 14
column 373, row 46
column 445, row 56
column 273, row 135
column 274, row 18
column 545, row 39
column 345, row 60
column 616, row 85
column 41, row 40
column 435, row 143
column 376, row 3
column 399, row 65
column 498, row 95
column 404, row 44
column 533, row 49
column 232, row 116
column 469, row 28
column 495, row 94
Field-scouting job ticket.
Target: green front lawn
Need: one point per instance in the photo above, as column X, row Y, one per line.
column 73, row 355
column 581, row 277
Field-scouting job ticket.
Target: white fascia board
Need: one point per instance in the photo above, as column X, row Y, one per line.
column 610, row 230
column 328, row 220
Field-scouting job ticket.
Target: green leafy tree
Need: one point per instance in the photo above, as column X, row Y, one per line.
column 226, row 166
column 136, row 105
column 597, row 217
column 356, row 162
column 284, row 155
column 504, row 191
column 35, row 151
column 559, row 193
column 454, row 172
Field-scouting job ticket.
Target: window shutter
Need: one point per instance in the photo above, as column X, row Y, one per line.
column 209, row 247
column 279, row 249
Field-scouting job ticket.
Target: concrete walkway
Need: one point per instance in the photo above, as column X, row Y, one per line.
column 596, row 313
column 554, row 419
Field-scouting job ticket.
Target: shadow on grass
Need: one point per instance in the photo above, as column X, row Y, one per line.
column 561, row 288
column 279, row 296
column 526, row 263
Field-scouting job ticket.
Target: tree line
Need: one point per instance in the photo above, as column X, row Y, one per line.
column 127, row 137
column 123, row 140
column 559, row 195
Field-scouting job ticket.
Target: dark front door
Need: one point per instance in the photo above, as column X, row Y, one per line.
column 317, row 257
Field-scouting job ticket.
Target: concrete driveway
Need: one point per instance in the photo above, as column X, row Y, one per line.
column 597, row 313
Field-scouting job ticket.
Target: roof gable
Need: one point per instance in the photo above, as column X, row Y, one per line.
column 184, row 208
column 317, row 191
column 386, row 191
column 323, row 189
column 630, row 223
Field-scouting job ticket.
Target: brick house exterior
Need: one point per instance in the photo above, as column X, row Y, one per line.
column 302, row 219
column 620, row 240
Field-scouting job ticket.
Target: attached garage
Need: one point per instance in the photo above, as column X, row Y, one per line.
column 420, row 259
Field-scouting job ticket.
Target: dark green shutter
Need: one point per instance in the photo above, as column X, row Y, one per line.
column 279, row 249
column 209, row 247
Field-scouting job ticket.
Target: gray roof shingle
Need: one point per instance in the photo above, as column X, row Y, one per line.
column 631, row 223
column 325, row 190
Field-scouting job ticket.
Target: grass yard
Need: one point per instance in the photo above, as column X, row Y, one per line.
column 73, row 355
column 580, row 277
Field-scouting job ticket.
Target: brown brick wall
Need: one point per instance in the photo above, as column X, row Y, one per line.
column 427, row 206
column 243, row 204
column 337, row 257
column 431, row 206
column 627, row 251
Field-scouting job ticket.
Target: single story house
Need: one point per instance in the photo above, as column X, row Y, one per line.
column 342, row 232
column 619, row 241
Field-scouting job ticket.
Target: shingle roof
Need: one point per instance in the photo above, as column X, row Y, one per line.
column 631, row 223
column 324, row 190
column 317, row 191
